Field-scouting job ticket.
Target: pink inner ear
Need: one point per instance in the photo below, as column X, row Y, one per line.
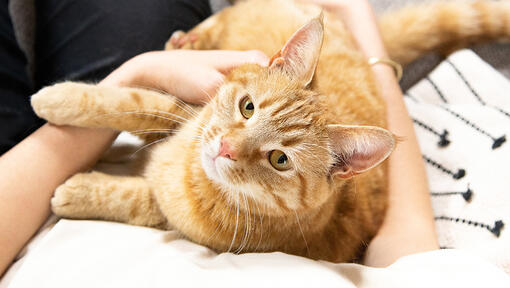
column 359, row 148
column 363, row 160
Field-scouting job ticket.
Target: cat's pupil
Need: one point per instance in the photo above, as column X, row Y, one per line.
column 282, row 159
column 249, row 106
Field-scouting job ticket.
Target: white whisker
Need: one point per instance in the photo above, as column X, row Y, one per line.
column 236, row 223
column 168, row 114
column 261, row 229
column 302, row 234
column 147, row 145
column 186, row 107
column 144, row 113
column 153, row 132
column 152, row 129
column 206, row 93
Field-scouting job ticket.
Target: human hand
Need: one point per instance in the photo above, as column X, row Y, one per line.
column 192, row 75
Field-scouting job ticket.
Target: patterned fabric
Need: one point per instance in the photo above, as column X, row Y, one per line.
column 461, row 113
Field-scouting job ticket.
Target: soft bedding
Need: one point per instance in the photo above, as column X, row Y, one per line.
column 461, row 113
column 101, row 254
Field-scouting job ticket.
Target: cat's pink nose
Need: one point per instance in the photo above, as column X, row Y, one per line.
column 226, row 150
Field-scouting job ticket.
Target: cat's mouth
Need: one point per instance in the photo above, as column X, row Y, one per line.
column 214, row 166
column 209, row 165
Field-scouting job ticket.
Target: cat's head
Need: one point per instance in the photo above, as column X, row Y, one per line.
column 268, row 140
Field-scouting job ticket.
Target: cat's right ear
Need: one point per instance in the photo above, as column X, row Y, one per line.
column 299, row 57
column 358, row 148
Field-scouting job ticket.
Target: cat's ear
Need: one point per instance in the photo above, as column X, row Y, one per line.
column 358, row 148
column 299, row 57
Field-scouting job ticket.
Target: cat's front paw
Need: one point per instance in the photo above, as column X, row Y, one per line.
column 181, row 40
column 59, row 104
column 71, row 198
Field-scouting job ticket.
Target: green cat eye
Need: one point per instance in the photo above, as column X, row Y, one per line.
column 279, row 160
column 247, row 108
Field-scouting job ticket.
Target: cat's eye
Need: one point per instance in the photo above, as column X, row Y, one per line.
column 247, row 108
column 279, row 160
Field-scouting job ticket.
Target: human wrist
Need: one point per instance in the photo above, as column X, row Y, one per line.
column 385, row 77
column 65, row 141
column 346, row 8
column 366, row 32
column 367, row 37
column 129, row 73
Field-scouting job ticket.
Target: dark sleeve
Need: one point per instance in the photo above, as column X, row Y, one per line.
column 16, row 117
column 86, row 40
column 81, row 41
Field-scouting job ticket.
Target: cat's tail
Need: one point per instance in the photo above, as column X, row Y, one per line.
column 444, row 26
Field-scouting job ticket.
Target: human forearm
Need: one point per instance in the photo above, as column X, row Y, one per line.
column 30, row 172
column 408, row 226
column 412, row 189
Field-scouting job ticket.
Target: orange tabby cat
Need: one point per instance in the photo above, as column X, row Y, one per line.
column 284, row 158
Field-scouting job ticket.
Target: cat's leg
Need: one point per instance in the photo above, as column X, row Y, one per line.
column 101, row 196
column 123, row 109
column 203, row 37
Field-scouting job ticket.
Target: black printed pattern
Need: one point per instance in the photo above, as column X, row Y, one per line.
column 455, row 175
column 495, row 229
column 497, row 142
column 466, row 195
column 473, row 91
column 442, row 132
column 443, row 136
column 438, row 91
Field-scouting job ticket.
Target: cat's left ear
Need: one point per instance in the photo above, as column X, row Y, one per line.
column 358, row 148
column 299, row 57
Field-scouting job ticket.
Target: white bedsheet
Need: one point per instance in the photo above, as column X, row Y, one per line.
column 103, row 254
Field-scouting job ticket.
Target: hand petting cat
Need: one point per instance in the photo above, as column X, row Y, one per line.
column 191, row 75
